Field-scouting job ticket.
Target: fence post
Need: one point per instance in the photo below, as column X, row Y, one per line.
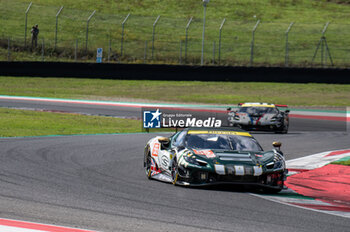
column 154, row 26
column 186, row 37
column 8, row 49
column 322, row 43
column 122, row 39
column 252, row 45
column 109, row 48
column 286, row 61
column 87, row 30
column 205, row 3
column 58, row 13
column 222, row 24
column 214, row 52
column 145, row 53
column 42, row 49
column 76, row 50
column 25, row 25
column 180, row 58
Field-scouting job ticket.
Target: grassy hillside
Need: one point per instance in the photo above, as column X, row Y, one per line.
column 267, row 10
column 241, row 16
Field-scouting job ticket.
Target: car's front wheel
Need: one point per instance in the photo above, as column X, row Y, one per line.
column 174, row 171
column 149, row 165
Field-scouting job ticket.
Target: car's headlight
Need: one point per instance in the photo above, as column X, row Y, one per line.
column 236, row 117
column 275, row 165
column 278, row 165
column 270, row 165
column 278, row 162
column 273, row 119
column 193, row 160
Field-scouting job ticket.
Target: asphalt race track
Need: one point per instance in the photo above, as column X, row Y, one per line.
column 296, row 124
column 97, row 182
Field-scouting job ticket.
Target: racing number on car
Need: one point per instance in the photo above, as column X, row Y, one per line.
column 155, row 149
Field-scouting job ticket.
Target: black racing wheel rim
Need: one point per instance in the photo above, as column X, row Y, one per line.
column 174, row 171
column 148, row 164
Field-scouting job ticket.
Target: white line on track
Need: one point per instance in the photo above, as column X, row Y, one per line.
column 10, row 225
column 15, row 229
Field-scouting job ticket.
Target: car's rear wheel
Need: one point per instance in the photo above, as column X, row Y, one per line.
column 285, row 128
column 174, row 171
column 282, row 130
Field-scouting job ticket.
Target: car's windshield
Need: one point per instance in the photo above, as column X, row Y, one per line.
column 257, row 110
column 222, row 141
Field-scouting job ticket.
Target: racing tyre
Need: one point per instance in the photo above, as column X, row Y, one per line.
column 149, row 161
column 174, row 171
column 285, row 128
column 282, row 130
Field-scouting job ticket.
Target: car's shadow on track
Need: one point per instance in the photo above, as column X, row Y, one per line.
column 233, row 188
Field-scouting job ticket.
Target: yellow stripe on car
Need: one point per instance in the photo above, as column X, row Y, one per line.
column 219, row 132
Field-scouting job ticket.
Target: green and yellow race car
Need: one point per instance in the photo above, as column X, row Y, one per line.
column 206, row 156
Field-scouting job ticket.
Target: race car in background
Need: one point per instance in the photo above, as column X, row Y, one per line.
column 260, row 116
column 207, row 156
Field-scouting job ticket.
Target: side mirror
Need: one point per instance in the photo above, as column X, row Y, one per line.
column 229, row 109
column 287, row 111
column 164, row 140
column 277, row 144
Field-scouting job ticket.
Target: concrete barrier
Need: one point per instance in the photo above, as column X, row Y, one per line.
column 175, row 72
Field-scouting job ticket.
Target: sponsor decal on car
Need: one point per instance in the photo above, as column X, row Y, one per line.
column 154, row 168
column 155, row 149
column 239, row 170
column 165, row 161
column 257, row 170
column 219, row 169
column 208, row 153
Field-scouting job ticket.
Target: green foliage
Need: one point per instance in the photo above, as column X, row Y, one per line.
column 343, row 161
column 347, row 162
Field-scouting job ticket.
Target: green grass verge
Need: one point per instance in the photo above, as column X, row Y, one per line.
column 347, row 163
column 18, row 123
column 309, row 16
column 178, row 91
column 343, row 161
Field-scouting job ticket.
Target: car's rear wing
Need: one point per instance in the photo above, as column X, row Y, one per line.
column 278, row 105
column 285, row 108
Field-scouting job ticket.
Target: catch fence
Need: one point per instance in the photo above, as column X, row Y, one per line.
column 74, row 35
